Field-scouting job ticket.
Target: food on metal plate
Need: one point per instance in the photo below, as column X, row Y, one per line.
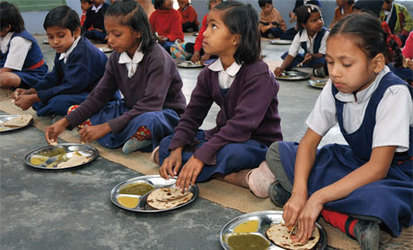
column 139, row 188
column 280, row 235
column 241, row 241
column 128, row 201
column 19, row 121
column 247, row 227
column 166, row 198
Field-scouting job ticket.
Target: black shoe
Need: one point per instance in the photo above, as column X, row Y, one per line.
column 367, row 234
column 278, row 195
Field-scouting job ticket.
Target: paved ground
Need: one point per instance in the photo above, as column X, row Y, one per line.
column 72, row 209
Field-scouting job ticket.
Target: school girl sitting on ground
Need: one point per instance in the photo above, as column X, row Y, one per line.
column 147, row 77
column 246, row 91
column 21, row 60
column 271, row 23
column 167, row 23
column 309, row 45
column 78, row 66
column 367, row 184
column 93, row 27
column 189, row 16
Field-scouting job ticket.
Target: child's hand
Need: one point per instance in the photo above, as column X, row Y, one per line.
column 92, row 133
column 293, row 208
column 306, row 220
column 278, row 71
column 171, row 164
column 195, row 57
column 189, row 173
column 53, row 131
column 25, row 101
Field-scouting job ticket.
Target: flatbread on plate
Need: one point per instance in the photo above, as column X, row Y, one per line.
column 166, row 198
column 17, row 122
column 280, row 235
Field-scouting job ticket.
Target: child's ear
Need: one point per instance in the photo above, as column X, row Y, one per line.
column 76, row 33
column 236, row 40
column 378, row 63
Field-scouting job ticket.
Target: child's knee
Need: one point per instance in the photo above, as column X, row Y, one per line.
column 259, row 180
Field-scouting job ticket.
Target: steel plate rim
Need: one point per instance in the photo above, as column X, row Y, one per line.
column 323, row 233
column 94, row 156
column 304, row 76
column 278, row 42
column 15, row 128
column 145, row 177
column 315, row 86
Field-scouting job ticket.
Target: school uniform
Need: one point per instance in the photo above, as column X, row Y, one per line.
column 275, row 19
column 303, row 44
column 167, row 23
column 399, row 20
column 244, row 125
column 21, row 53
column 95, row 17
column 381, row 115
column 152, row 91
column 74, row 75
column 189, row 18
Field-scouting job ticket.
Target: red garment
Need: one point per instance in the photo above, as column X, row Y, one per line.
column 168, row 24
column 82, row 18
column 200, row 37
column 408, row 47
column 189, row 15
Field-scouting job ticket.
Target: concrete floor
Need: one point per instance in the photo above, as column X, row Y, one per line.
column 72, row 209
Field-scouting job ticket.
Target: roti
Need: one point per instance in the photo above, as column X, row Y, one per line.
column 280, row 235
column 17, row 122
column 76, row 160
column 166, row 198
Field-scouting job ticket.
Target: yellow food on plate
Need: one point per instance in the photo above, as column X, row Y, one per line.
column 247, row 227
column 38, row 159
column 128, row 201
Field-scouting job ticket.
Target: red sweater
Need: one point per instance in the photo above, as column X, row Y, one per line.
column 200, row 37
column 189, row 15
column 167, row 23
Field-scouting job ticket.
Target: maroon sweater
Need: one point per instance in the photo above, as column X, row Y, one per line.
column 156, row 85
column 248, row 111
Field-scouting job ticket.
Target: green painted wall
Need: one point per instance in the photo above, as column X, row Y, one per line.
column 37, row 5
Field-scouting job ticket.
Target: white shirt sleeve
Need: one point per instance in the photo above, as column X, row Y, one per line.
column 323, row 45
column 393, row 118
column 295, row 45
column 19, row 47
column 323, row 115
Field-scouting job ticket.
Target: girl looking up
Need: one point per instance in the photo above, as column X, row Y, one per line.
column 147, row 77
column 246, row 91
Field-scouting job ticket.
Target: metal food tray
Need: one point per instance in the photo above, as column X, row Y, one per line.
column 265, row 220
column 280, row 42
column 157, row 182
column 293, row 75
column 318, row 84
column 189, row 65
column 4, row 118
column 86, row 150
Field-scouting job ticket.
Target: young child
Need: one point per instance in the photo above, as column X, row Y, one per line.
column 78, row 66
column 93, row 27
column 408, row 52
column 21, row 60
column 398, row 18
column 167, row 23
column 344, row 8
column 235, row 81
column 271, row 24
column 147, row 77
column 85, row 5
column 291, row 32
column 196, row 50
column 311, row 39
column 189, row 16
column 368, row 182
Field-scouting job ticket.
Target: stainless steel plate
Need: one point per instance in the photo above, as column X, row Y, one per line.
column 293, row 75
column 189, row 64
column 280, row 42
column 318, row 84
column 265, row 220
column 69, row 148
column 4, row 118
column 157, row 182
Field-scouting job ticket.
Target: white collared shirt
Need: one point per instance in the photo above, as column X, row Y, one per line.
column 131, row 64
column 18, row 50
column 96, row 9
column 388, row 13
column 63, row 56
column 304, row 37
column 393, row 117
column 225, row 76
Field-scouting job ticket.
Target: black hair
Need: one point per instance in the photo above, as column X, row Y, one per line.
column 371, row 6
column 262, row 3
column 62, row 16
column 368, row 31
column 158, row 4
column 212, row 1
column 86, row 1
column 131, row 14
column 242, row 19
column 304, row 12
column 10, row 17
